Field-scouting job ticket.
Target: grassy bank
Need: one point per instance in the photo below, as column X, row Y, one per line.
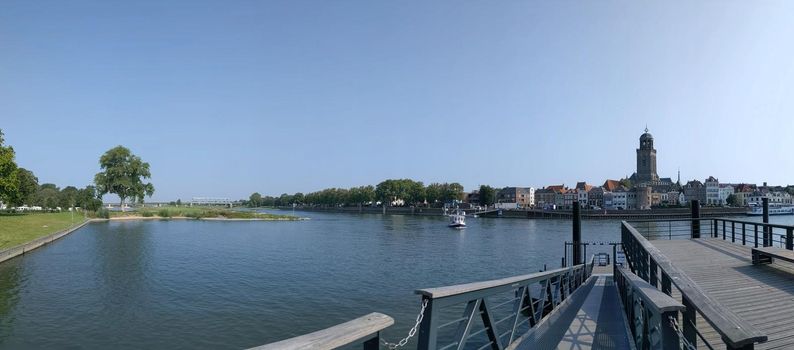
column 16, row 229
column 199, row 213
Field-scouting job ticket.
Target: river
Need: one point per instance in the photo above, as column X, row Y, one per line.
column 228, row 285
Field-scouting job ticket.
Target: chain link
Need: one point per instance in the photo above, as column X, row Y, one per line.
column 413, row 330
column 687, row 345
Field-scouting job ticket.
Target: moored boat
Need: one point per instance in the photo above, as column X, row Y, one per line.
column 756, row 210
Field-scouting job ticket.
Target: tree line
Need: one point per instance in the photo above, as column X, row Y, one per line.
column 391, row 192
column 122, row 174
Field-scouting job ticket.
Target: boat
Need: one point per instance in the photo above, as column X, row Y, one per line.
column 757, row 210
column 457, row 220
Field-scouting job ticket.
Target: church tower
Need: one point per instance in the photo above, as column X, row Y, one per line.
column 646, row 159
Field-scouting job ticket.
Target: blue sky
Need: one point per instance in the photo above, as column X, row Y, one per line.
column 224, row 98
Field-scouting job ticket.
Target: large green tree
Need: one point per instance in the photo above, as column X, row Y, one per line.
column 487, row 195
column 27, row 185
column 123, row 174
column 255, row 200
column 8, row 173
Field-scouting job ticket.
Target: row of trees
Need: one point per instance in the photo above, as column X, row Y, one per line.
column 390, row 192
column 122, row 174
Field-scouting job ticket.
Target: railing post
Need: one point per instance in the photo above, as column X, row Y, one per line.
column 755, row 239
column 723, row 230
column 667, row 287
column 733, row 232
column 428, row 336
column 669, row 335
column 577, row 234
column 653, row 278
column 373, row 343
column 695, row 218
column 790, row 238
column 714, row 228
column 689, row 319
column 767, row 231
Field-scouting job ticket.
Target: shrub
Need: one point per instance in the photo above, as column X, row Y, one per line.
column 164, row 213
column 102, row 213
column 147, row 214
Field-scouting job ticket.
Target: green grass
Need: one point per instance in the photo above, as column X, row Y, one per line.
column 201, row 212
column 16, row 229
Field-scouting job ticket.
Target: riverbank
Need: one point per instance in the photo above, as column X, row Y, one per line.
column 204, row 213
column 16, row 229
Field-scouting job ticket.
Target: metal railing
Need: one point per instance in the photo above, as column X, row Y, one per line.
column 647, row 262
column 493, row 314
column 674, row 228
column 754, row 233
column 366, row 327
column 652, row 315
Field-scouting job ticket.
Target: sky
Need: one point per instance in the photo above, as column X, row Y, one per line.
column 224, row 98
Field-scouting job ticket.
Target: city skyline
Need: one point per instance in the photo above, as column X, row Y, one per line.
column 228, row 99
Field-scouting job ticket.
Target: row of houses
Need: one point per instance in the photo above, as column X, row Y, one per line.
column 614, row 195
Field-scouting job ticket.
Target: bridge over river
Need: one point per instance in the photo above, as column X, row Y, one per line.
column 694, row 283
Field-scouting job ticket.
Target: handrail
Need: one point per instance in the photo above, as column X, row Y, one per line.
column 734, row 331
column 648, row 309
column 337, row 336
column 509, row 282
column 504, row 306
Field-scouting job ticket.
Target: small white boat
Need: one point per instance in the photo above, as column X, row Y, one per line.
column 457, row 220
column 756, row 210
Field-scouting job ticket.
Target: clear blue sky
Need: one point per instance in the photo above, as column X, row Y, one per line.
column 224, row 98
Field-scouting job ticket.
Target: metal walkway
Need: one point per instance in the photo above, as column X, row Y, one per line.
column 592, row 321
column 762, row 295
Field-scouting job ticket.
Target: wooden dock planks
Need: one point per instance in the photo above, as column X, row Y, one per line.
column 763, row 295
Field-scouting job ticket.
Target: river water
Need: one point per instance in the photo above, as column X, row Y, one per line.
column 230, row 285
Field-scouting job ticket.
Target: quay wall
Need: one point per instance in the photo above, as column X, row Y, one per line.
column 26, row 247
column 667, row 213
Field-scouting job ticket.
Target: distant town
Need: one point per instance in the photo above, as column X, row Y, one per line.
column 643, row 190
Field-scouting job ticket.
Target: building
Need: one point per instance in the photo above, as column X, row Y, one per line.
column 524, row 197
column 694, row 190
column 616, row 200
column 726, row 191
column 712, row 191
column 646, row 167
column 595, row 197
column 547, row 196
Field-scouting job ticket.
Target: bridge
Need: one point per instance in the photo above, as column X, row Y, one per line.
column 690, row 283
column 211, row 201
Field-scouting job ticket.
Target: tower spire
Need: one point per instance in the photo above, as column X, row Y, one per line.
column 646, row 128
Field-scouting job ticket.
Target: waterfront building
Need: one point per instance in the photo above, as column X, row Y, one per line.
column 473, row 198
column 712, row 191
column 775, row 198
column 726, row 191
column 616, row 200
column 643, row 198
column 524, row 197
column 550, row 196
column 743, row 192
column 694, row 190
column 595, row 197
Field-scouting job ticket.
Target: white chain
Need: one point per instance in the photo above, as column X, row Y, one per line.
column 412, row 332
column 684, row 342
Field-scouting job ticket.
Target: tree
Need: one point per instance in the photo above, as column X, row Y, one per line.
column 733, row 200
column 123, row 174
column 8, row 173
column 179, row 202
column 47, row 196
column 67, row 198
column 255, row 200
column 626, row 182
column 487, row 195
column 87, row 198
column 27, row 185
